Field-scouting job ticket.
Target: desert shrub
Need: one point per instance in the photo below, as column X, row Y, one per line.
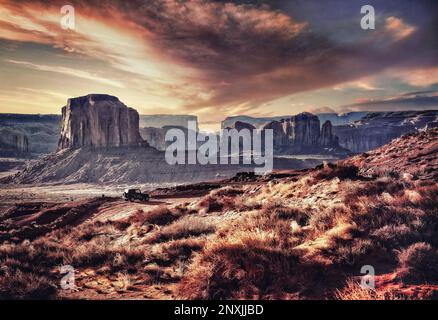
column 183, row 228
column 352, row 252
column 183, row 248
column 323, row 220
column 375, row 214
column 227, row 191
column 161, row 215
column 353, row 291
column 392, row 173
column 277, row 210
column 243, row 271
column 22, row 285
column 395, row 236
column 376, row 187
column 174, row 252
column 419, row 262
column 212, row 203
column 341, row 171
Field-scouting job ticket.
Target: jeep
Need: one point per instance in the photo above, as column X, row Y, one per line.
column 135, row 194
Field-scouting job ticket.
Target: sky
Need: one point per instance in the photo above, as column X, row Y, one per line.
column 216, row 59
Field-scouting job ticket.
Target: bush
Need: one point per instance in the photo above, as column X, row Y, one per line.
column 161, row 215
column 396, row 236
column 330, row 171
column 353, row 291
column 243, row 271
column 186, row 227
column 21, row 285
column 419, row 262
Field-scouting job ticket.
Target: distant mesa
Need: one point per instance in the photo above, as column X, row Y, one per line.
column 303, row 134
column 379, row 128
column 98, row 120
column 159, row 121
column 13, row 142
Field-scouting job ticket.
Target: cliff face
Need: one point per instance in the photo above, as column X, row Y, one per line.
column 155, row 137
column 98, row 121
column 327, row 138
column 334, row 118
column 12, row 142
column 301, row 133
column 35, row 134
column 378, row 129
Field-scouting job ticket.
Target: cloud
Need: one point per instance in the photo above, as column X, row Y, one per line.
column 418, row 77
column 362, row 84
column 405, row 102
column 398, row 29
column 67, row 71
column 218, row 58
column 318, row 110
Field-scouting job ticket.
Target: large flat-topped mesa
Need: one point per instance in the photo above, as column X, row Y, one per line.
column 98, row 120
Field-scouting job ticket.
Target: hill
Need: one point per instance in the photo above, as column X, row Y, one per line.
column 297, row 235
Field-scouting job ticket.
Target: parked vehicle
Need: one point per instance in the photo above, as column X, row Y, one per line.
column 135, row 194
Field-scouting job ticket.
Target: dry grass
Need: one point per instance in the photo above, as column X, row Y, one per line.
column 419, row 263
column 188, row 226
column 161, row 215
column 353, row 291
column 284, row 239
column 373, row 219
column 330, row 171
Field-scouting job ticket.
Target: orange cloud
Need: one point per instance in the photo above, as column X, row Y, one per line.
column 398, row 29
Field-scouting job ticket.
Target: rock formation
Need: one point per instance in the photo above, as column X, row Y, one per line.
column 378, row 129
column 40, row 131
column 98, row 120
column 327, row 138
column 155, row 137
column 100, row 143
column 240, row 125
column 12, row 142
column 335, row 119
column 300, row 134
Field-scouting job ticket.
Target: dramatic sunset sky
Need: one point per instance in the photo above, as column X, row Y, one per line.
column 220, row 58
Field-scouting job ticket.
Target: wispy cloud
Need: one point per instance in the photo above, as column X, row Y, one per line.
column 403, row 102
column 68, row 72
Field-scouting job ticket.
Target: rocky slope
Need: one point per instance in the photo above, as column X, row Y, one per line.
column 413, row 156
column 377, row 129
column 98, row 120
column 116, row 165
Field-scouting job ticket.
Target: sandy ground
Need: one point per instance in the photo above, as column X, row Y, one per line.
column 62, row 193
